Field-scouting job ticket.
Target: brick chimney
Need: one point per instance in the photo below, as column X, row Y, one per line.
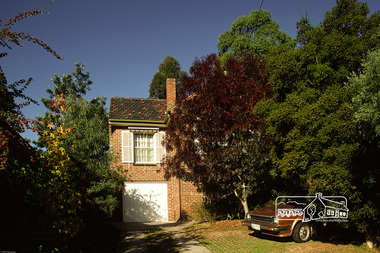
column 170, row 93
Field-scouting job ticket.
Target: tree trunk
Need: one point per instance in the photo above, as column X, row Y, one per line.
column 243, row 200
column 245, row 206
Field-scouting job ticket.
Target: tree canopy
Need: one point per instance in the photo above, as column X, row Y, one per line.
column 310, row 117
column 213, row 138
column 253, row 34
column 169, row 68
column 366, row 104
column 87, row 140
column 366, row 172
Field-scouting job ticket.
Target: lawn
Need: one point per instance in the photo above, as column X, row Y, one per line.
column 231, row 236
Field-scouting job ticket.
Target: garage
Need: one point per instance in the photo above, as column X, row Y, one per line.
column 145, row 201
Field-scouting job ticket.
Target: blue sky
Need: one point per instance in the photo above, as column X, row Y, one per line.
column 122, row 42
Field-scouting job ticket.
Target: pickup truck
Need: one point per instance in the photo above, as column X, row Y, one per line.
column 290, row 223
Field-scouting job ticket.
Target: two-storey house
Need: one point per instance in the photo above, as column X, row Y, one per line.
column 137, row 135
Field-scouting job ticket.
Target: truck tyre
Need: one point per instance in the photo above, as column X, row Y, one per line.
column 302, row 232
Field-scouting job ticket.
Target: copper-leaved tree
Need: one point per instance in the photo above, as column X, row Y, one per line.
column 213, row 139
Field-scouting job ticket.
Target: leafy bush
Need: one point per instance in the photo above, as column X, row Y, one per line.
column 204, row 212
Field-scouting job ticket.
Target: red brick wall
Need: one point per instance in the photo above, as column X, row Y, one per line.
column 189, row 196
column 170, row 93
column 177, row 202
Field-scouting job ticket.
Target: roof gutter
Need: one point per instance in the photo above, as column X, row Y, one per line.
column 140, row 123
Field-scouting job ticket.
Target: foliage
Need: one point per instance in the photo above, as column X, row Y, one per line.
column 36, row 188
column 169, row 68
column 26, row 183
column 8, row 36
column 87, row 140
column 253, row 34
column 12, row 119
column 213, row 139
column 10, row 111
column 233, row 216
column 366, row 104
column 58, row 195
column 204, row 212
column 41, row 191
column 310, row 118
column 366, row 108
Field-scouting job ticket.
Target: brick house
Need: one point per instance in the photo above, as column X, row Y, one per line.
column 137, row 130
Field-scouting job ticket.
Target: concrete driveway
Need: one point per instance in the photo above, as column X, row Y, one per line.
column 133, row 239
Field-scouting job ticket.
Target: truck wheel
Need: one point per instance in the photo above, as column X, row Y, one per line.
column 302, row 232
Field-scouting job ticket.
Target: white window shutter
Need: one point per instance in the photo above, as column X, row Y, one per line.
column 160, row 146
column 127, row 146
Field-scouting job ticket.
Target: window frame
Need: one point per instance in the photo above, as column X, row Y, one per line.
column 128, row 148
column 143, row 141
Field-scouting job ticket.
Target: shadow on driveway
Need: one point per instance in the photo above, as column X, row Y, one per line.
column 132, row 238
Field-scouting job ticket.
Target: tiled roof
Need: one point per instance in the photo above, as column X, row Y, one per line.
column 137, row 109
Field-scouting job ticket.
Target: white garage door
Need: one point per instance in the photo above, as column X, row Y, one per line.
column 145, row 201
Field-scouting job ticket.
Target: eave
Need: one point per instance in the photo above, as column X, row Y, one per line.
column 139, row 123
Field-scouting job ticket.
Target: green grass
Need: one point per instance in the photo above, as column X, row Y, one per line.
column 159, row 241
column 232, row 237
column 238, row 244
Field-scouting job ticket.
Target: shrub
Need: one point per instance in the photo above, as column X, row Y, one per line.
column 204, row 212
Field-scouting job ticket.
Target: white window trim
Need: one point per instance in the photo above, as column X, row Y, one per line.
column 143, row 128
